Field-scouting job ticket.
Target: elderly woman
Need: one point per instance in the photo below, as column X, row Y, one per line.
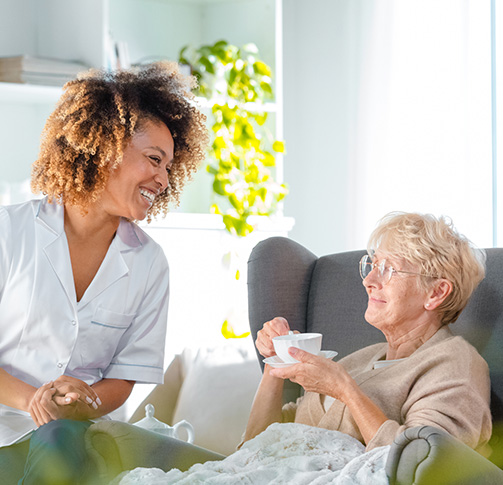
column 83, row 290
column 419, row 274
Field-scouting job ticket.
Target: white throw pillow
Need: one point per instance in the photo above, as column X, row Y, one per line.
column 217, row 393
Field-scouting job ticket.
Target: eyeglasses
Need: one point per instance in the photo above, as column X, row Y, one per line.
column 384, row 271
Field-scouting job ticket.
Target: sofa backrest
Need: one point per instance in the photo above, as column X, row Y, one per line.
column 326, row 295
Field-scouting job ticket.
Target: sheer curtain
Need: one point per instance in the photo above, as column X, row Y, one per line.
column 422, row 139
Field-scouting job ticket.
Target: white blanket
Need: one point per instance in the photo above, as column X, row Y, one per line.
column 292, row 454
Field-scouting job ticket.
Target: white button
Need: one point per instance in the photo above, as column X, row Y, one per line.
column 74, row 322
column 60, row 364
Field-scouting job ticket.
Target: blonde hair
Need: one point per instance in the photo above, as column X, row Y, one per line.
column 96, row 117
column 437, row 249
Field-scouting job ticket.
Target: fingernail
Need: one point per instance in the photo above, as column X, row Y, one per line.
column 67, row 399
column 293, row 350
column 89, row 400
column 95, row 406
column 98, row 400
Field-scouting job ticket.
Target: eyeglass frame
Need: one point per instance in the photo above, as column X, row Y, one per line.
column 381, row 267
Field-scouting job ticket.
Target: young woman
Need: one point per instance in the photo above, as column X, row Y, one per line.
column 83, row 290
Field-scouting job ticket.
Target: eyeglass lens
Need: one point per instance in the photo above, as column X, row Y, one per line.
column 366, row 266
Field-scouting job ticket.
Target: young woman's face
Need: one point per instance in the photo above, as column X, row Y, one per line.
column 143, row 174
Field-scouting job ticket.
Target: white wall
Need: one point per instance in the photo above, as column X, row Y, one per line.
column 387, row 107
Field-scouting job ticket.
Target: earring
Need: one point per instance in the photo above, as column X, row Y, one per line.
column 427, row 305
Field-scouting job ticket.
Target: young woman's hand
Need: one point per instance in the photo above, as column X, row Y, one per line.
column 39, row 412
column 69, row 390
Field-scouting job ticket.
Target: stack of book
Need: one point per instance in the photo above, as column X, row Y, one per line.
column 38, row 70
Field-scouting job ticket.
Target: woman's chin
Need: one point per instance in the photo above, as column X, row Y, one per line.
column 371, row 318
column 141, row 217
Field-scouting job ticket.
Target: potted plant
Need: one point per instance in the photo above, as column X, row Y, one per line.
column 238, row 83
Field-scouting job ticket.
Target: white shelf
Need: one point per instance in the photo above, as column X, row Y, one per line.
column 32, row 93
column 28, row 93
column 253, row 107
column 181, row 220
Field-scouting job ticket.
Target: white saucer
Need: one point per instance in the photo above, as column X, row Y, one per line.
column 276, row 362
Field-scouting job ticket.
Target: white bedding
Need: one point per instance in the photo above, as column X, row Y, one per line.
column 292, row 454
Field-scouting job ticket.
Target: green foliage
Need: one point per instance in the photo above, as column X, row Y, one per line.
column 243, row 148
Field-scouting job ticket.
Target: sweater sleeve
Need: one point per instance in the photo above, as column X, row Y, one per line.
column 452, row 393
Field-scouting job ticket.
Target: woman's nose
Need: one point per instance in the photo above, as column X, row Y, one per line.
column 372, row 279
column 161, row 177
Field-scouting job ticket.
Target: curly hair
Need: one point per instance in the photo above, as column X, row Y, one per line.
column 435, row 247
column 96, row 117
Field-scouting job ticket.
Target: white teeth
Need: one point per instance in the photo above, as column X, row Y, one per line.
column 148, row 195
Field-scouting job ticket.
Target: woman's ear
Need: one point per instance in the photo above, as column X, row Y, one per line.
column 441, row 289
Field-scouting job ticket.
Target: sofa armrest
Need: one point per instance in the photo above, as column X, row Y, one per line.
column 115, row 447
column 426, row 455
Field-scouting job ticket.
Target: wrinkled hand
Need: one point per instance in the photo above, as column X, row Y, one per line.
column 275, row 327
column 317, row 374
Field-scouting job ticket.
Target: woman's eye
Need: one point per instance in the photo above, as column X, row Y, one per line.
column 155, row 159
column 168, row 169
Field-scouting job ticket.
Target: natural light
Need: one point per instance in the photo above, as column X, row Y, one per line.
column 423, row 140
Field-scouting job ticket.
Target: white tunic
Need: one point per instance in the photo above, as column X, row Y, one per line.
column 117, row 330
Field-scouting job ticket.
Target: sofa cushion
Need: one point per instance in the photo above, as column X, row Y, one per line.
column 217, row 392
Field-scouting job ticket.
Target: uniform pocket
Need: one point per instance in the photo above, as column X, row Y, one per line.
column 101, row 336
column 108, row 318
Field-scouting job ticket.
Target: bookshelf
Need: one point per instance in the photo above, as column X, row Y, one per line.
column 28, row 93
column 84, row 31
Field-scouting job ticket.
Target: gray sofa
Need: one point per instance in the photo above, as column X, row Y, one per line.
column 326, row 295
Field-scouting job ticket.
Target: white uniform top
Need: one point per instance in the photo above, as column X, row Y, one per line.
column 117, row 330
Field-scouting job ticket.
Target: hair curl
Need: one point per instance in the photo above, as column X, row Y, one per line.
column 435, row 248
column 96, row 117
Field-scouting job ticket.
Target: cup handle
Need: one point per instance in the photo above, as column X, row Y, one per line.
column 188, row 427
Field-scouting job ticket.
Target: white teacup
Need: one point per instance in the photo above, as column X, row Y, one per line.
column 310, row 342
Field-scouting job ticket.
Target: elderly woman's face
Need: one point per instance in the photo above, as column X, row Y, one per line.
column 399, row 302
column 143, row 173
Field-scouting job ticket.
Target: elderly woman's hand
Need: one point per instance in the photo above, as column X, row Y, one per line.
column 275, row 327
column 317, row 374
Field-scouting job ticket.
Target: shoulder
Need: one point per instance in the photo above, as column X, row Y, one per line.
column 30, row 207
column 134, row 238
column 461, row 350
column 132, row 235
column 451, row 351
column 17, row 215
column 445, row 341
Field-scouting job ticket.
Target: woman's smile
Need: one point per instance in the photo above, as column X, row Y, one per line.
column 143, row 173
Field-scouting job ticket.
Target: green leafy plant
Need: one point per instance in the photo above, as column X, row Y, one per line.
column 243, row 148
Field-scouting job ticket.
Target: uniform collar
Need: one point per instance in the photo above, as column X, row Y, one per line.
column 51, row 215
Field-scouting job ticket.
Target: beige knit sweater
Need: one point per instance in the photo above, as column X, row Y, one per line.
column 444, row 383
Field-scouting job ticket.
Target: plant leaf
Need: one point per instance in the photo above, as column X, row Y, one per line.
column 228, row 331
column 278, row 146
